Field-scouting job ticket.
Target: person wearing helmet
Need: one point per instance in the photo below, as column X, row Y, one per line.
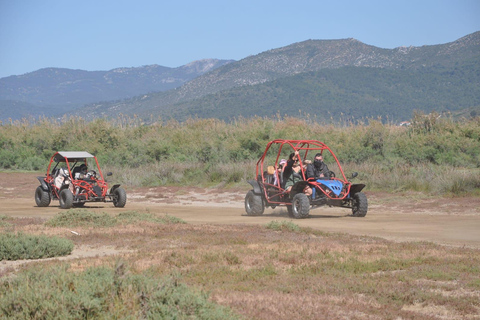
column 82, row 172
column 318, row 170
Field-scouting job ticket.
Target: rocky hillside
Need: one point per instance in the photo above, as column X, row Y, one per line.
column 254, row 72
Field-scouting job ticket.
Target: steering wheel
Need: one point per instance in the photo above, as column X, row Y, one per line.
column 332, row 174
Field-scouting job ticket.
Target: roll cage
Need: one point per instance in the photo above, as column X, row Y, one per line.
column 73, row 160
column 269, row 187
column 86, row 189
column 61, row 182
column 338, row 188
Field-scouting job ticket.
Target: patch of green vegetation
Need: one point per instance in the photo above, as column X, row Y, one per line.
column 132, row 217
column 436, row 154
column 103, row 293
column 21, row 246
column 86, row 218
column 231, row 257
column 4, row 221
column 81, row 218
column 283, row 226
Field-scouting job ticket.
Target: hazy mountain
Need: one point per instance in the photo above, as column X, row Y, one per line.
column 52, row 91
column 394, row 82
column 324, row 78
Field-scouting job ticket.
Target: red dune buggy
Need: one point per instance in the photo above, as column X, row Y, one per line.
column 270, row 188
column 75, row 179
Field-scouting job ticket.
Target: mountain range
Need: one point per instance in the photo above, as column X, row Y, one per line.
column 326, row 79
column 55, row 91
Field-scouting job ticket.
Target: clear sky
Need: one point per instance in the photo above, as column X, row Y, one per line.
column 106, row 34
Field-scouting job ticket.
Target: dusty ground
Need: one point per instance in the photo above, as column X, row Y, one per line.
column 401, row 217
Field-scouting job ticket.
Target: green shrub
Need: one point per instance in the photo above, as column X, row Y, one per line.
column 132, row 217
column 207, row 152
column 21, row 246
column 4, row 221
column 283, row 226
column 85, row 218
column 103, row 293
column 81, row 218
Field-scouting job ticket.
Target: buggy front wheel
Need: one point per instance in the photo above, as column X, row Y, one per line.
column 119, row 197
column 300, row 208
column 66, row 199
column 360, row 205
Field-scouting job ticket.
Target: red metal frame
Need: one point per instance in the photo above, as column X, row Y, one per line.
column 303, row 147
column 81, row 188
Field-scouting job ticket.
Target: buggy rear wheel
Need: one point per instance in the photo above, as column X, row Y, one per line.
column 300, row 206
column 360, row 205
column 119, row 197
column 42, row 197
column 254, row 204
column 66, row 199
column 290, row 211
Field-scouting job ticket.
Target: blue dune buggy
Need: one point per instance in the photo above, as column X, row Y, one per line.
column 269, row 187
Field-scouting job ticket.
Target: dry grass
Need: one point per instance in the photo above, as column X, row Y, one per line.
column 263, row 273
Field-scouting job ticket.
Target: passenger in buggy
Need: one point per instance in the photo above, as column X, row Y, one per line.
column 63, row 178
column 294, row 177
column 288, row 168
column 292, row 174
column 279, row 172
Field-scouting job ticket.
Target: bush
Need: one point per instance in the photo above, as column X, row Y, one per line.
column 103, row 293
column 81, row 218
column 21, row 246
column 283, row 226
column 4, row 221
column 207, row 152
column 85, row 218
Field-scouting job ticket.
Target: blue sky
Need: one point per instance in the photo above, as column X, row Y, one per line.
column 104, row 34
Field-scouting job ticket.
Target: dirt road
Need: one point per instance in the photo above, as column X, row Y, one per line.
column 401, row 217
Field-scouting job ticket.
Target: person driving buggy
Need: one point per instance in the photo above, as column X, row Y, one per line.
column 317, row 170
column 83, row 173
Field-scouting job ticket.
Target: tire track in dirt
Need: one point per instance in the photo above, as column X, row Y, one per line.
column 403, row 217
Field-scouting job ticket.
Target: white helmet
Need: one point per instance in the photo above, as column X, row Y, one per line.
column 64, row 172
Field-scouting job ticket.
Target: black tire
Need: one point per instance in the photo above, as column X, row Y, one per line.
column 42, row 197
column 300, row 206
column 254, row 204
column 290, row 211
column 360, row 205
column 119, row 198
column 66, row 199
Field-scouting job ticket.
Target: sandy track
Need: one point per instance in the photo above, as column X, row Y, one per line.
column 404, row 217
